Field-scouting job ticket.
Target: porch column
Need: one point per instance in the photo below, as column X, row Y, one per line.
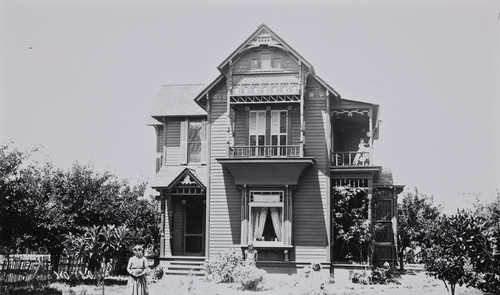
column 162, row 227
column 166, row 222
column 302, row 122
column 244, row 215
column 369, row 193
column 370, row 123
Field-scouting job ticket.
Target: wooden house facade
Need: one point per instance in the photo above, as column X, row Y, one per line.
column 253, row 158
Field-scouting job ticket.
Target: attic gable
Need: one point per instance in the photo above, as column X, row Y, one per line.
column 263, row 36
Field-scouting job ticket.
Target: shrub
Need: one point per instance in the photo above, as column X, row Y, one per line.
column 221, row 269
column 40, row 290
column 156, row 273
column 249, row 276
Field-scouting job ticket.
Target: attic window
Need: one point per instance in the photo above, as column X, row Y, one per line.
column 277, row 63
column 266, row 62
column 254, row 64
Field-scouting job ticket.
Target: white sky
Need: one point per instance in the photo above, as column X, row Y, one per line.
column 79, row 77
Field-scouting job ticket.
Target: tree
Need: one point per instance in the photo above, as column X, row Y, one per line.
column 487, row 263
column 461, row 248
column 40, row 204
column 416, row 218
column 19, row 202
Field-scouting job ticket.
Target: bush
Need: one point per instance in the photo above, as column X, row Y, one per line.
column 156, row 273
column 40, row 290
column 221, row 269
column 249, row 276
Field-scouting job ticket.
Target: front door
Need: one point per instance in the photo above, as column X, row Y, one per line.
column 194, row 229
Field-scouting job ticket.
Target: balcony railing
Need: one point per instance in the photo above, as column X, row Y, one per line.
column 279, row 151
column 351, row 159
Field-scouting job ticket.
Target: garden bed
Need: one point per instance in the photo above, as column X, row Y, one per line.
column 417, row 283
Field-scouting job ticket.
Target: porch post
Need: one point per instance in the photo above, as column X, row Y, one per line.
column 302, row 123
column 371, row 244
column 244, row 215
column 162, row 227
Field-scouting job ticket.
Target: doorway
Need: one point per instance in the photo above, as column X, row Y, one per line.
column 194, row 229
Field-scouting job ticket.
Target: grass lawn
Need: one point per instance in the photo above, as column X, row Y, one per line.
column 279, row 284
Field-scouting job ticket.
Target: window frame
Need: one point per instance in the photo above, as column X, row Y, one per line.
column 261, row 204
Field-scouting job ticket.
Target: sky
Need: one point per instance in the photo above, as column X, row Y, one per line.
column 78, row 78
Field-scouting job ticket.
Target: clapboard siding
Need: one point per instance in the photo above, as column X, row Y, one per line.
column 310, row 212
column 173, row 142
column 225, row 199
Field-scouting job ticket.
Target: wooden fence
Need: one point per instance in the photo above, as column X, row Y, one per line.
column 27, row 269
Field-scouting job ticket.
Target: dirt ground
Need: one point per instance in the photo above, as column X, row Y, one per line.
column 283, row 284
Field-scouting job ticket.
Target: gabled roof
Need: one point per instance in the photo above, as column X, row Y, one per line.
column 263, row 32
column 271, row 39
column 169, row 176
column 177, row 100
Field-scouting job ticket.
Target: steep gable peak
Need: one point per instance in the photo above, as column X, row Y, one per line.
column 263, row 36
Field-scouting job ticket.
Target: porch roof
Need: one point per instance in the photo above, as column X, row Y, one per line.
column 178, row 100
column 168, row 175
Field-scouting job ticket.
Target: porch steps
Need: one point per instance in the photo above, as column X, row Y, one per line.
column 184, row 265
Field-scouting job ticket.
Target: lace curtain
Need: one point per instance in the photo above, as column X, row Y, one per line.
column 276, row 217
column 259, row 216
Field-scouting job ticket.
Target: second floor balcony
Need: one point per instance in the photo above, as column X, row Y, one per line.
column 352, row 158
column 265, row 151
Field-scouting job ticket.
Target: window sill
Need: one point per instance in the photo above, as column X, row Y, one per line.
column 268, row 245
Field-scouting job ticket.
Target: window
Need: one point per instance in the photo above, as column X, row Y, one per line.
column 257, row 132
column 254, row 64
column 266, row 217
column 277, row 63
column 279, row 128
column 194, row 142
column 265, row 61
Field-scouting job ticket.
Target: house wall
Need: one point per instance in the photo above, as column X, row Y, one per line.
column 310, row 202
column 224, row 198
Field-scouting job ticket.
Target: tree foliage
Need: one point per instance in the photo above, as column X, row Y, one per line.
column 461, row 251
column 417, row 216
column 41, row 204
column 350, row 220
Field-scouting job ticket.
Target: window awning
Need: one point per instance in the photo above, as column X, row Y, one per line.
column 266, row 172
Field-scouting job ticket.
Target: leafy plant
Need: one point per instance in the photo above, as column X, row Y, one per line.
column 249, row 276
column 461, row 251
column 350, row 220
column 222, row 268
column 416, row 218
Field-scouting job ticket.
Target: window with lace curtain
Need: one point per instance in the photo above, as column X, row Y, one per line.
column 266, row 216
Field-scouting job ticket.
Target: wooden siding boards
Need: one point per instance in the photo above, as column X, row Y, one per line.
column 224, row 196
column 310, row 202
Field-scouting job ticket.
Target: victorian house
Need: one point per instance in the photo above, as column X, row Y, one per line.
column 254, row 157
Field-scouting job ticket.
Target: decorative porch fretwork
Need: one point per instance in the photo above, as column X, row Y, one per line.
column 351, row 112
column 265, row 99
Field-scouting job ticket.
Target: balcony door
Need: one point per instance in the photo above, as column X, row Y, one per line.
column 279, row 132
column 257, row 132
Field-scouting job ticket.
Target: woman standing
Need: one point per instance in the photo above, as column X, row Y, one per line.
column 137, row 268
